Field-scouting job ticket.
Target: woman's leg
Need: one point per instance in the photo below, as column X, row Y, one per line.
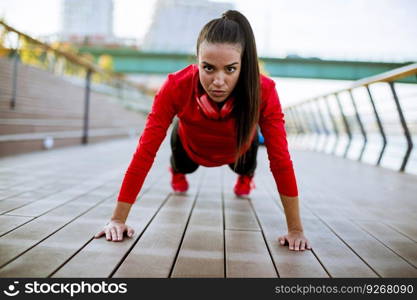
column 180, row 162
column 249, row 166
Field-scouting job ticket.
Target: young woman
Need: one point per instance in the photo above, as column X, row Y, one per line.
column 219, row 103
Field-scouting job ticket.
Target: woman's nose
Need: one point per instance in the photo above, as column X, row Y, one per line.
column 218, row 80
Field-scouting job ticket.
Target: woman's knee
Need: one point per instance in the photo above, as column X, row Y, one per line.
column 183, row 165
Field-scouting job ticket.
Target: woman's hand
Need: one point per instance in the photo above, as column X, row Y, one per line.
column 295, row 241
column 114, row 231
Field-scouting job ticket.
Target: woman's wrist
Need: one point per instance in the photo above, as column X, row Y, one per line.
column 121, row 212
column 296, row 230
column 292, row 213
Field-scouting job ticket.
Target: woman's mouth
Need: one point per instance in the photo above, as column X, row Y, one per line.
column 218, row 93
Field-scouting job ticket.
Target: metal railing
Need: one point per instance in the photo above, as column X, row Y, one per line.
column 359, row 119
column 64, row 61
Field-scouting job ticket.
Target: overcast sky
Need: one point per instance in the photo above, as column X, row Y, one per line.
column 352, row 29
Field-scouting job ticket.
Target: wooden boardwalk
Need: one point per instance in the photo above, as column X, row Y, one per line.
column 360, row 219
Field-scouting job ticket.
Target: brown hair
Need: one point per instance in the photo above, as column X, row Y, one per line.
column 234, row 28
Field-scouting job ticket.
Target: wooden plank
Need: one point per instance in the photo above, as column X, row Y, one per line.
column 336, row 257
column 154, row 254
column 247, row 255
column 246, row 252
column 30, row 234
column 238, row 211
column 44, row 259
column 202, row 250
column 407, row 229
column 365, row 247
column 38, row 184
column 9, row 204
column 48, row 255
column 239, row 215
column 397, row 242
column 99, row 257
column 381, row 259
column 8, row 223
column 289, row 263
column 46, row 204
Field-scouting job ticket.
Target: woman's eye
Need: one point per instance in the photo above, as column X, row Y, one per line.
column 231, row 69
column 208, row 68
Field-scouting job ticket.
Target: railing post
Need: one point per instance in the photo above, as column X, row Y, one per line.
column 298, row 128
column 362, row 128
column 315, row 125
column 336, row 131
column 86, row 106
column 380, row 127
column 289, row 123
column 346, row 123
column 300, row 121
column 306, row 121
column 323, row 123
column 14, row 82
column 404, row 125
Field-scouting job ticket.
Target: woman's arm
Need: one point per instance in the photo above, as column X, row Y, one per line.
column 161, row 115
column 295, row 237
column 272, row 126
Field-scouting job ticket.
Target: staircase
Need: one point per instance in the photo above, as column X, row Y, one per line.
column 50, row 107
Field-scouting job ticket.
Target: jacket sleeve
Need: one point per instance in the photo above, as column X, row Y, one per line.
column 272, row 122
column 156, row 126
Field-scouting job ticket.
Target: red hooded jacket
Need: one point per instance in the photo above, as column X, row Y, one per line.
column 207, row 142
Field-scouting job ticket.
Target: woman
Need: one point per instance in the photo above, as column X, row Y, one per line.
column 219, row 104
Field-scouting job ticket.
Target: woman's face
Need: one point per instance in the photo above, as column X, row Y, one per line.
column 219, row 68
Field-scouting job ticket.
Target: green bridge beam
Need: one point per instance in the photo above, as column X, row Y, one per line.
column 133, row 61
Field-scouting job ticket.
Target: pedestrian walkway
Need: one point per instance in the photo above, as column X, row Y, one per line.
column 360, row 219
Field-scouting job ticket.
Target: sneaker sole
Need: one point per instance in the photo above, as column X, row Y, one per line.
column 245, row 196
column 178, row 193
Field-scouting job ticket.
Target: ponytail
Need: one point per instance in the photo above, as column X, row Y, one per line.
column 234, row 28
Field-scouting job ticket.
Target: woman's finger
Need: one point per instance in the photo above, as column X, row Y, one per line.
column 302, row 245
column 119, row 232
column 297, row 244
column 113, row 234
column 130, row 231
column 99, row 234
column 291, row 243
column 108, row 234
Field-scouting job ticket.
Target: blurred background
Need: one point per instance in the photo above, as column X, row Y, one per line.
column 123, row 49
column 354, row 30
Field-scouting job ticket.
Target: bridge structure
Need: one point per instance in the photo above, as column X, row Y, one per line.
column 132, row 61
column 69, row 130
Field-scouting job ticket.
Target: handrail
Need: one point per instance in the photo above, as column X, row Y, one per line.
column 76, row 59
column 392, row 75
column 386, row 77
column 88, row 65
column 389, row 76
column 111, row 78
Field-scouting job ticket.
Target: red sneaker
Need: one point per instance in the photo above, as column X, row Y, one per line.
column 178, row 182
column 244, row 185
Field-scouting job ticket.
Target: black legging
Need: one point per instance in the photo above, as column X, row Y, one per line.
column 182, row 163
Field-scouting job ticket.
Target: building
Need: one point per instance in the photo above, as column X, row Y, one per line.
column 176, row 23
column 87, row 21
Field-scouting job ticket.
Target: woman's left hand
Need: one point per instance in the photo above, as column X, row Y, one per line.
column 295, row 240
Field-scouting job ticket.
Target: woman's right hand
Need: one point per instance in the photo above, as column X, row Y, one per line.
column 114, row 231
